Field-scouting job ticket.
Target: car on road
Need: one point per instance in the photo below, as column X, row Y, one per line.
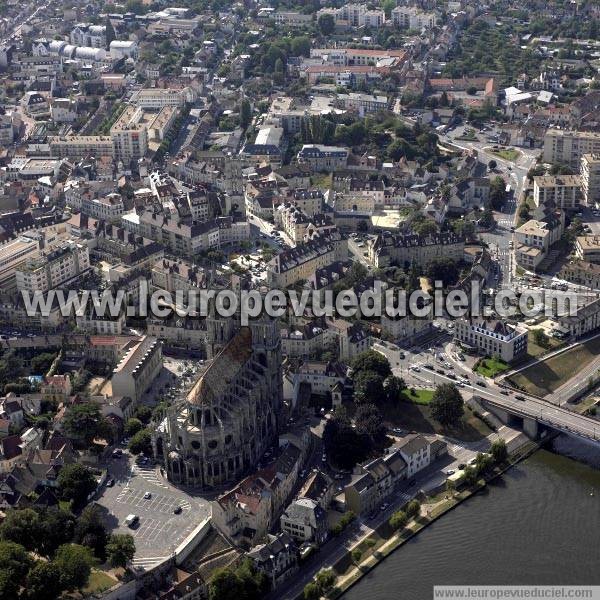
column 519, row 397
column 177, row 510
column 504, row 392
column 147, row 496
column 481, row 383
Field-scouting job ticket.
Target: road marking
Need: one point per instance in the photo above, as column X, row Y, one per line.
column 148, row 473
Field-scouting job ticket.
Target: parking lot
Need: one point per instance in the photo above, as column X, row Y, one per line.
column 159, row 530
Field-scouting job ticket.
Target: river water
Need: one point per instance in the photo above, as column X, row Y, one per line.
column 538, row 524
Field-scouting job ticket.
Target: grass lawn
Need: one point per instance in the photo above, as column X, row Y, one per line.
column 490, row 367
column 548, row 375
column 98, row 582
column 321, row 180
column 534, row 350
column 507, row 154
column 417, row 417
column 423, row 397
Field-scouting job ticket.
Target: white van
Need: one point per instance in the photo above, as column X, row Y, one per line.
column 131, row 520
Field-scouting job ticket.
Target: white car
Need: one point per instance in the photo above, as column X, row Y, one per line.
column 147, row 496
column 450, row 472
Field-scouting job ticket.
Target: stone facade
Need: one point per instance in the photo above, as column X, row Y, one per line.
column 231, row 416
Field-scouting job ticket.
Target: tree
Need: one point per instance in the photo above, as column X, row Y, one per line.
column 541, row 338
column 120, row 549
column 483, row 462
column 22, row 527
column 44, row 582
column 57, row 527
column 413, row 509
column 499, row 451
column 311, row 591
column 497, row 193
column 245, row 113
column 326, row 24
column 74, row 563
column 388, row 6
column 341, row 441
column 368, row 387
column 132, row 426
column 393, row 387
column 224, row 584
column 444, row 270
column 42, row 362
column 486, row 221
column 471, row 476
column 372, row 361
column 15, row 560
column 300, row 46
column 141, row 442
column 90, row 531
column 524, row 212
column 245, row 582
column 492, row 164
column 447, row 405
column 369, row 423
column 143, row 413
column 84, row 422
column 398, row 520
column 325, row 579
column 9, row 586
column 110, row 32
column 76, row 482
column 356, row 555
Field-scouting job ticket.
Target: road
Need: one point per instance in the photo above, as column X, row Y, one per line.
column 25, row 20
column 554, row 416
column 515, row 174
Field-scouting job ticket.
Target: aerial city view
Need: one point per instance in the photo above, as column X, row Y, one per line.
column 299, row 299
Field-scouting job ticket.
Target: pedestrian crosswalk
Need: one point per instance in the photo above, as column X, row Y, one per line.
column 148, row 473
column 403, row 498
column 147, row 562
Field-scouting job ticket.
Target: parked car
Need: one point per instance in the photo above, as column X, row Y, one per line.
column 177, row 510
column 147, row 496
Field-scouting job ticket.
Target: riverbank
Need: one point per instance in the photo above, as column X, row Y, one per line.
column 382, row 542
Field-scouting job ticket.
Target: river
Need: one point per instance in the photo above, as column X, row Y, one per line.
column 538, row 524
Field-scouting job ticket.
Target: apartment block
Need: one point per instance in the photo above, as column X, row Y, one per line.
column 54, row 268
column 492, row 338
column 587, row 247
column 390, row 248
column 297, row 264
column 320, row 158
column 13, row 255
column 564, row 191
column 582, row 272
column 106, row 208
column 568, row 147
column 411, row 17
column 80, row 146
column 590, row 178
column 375, row 481
column 138, row 368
